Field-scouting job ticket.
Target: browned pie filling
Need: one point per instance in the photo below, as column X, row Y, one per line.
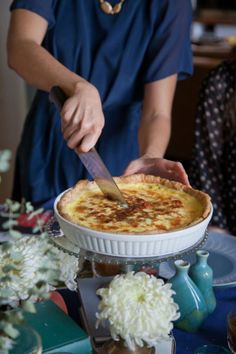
column 155, row 205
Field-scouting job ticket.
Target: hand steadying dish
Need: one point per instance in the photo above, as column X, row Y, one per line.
column 159, row 167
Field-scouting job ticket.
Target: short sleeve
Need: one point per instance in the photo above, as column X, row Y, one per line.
column 43, row 8
column 169, row 51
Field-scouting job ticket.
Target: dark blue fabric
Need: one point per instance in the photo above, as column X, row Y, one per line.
column 214, row 329
column 42, row 8
column 145, row 42
column 73, row 304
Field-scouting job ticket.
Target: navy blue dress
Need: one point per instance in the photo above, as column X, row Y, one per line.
column 147, row 41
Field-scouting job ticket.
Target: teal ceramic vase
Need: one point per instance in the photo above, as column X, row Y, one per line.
column 202, row 275
column 192, row 306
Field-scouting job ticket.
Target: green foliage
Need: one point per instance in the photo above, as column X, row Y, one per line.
column 28, row 265
column 5, row 156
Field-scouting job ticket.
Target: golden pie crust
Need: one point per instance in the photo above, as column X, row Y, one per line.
column 156, row 205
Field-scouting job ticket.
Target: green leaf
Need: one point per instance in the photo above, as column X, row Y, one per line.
column 4, row 279
column 6, row 293
column 15, row 234
column 5, row 154
column 4, row 166
column 6, row 246
column 11, row 331
column 34, row 213
column 8, row 202
column 29, row 207
column 8, row 268
column 13, row 206
column 9, row 223
column 16, row 256
column 36, row 229
column 28, row 306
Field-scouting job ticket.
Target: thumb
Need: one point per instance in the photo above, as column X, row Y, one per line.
column 131, row 168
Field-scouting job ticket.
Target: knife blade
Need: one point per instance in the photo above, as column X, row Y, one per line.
column 91, row 159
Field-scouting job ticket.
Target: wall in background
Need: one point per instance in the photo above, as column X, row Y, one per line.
column 12, row 103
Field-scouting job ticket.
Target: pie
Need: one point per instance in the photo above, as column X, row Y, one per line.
column 156, row 205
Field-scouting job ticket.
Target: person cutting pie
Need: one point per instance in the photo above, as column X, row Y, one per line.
column 118, row 63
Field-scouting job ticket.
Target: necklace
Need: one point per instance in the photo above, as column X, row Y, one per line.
column 109, row 9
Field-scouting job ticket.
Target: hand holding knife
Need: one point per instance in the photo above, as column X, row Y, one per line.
column 91, row 160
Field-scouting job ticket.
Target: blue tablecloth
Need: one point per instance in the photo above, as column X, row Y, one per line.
column 214, row 329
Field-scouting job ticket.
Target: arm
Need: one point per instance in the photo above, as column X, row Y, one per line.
column 82, row 118
column 155, row 125
column 154, row 132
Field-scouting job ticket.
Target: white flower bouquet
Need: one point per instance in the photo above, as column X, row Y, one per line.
column 30, row 266
column 30, row 261
column 139, row 307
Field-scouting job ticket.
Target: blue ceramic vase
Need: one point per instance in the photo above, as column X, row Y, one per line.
column 192, row 306
column 202, row 275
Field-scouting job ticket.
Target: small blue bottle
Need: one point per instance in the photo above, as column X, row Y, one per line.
column 192, row 306
column 202, row 275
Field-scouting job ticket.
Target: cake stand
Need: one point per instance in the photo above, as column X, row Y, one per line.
column 87, row 286
column 64, row 244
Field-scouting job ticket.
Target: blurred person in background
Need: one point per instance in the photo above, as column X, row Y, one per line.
column 118, row 63
column 213, row 165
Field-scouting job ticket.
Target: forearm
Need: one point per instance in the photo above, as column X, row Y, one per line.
column 39, row 68
column 155, row 125
column 154, row 135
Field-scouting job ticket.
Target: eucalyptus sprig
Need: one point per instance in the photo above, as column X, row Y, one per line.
column 5, row 156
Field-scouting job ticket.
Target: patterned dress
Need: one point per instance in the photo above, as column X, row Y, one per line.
column 213, row 165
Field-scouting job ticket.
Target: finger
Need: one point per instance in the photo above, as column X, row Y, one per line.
column 75, row 139
column 69, row 106
column 70, row 121
column 88, row 142
column 83, row 140
column 132, row 168
column 71, row 129
column 171, row 170
column 178, row 178
column 183, row 178
column 86, row 136
column 67, row 115
column 128, row 171
column 181, row 173
column 68, row 132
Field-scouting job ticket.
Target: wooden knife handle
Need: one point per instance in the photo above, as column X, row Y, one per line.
column 58, row 97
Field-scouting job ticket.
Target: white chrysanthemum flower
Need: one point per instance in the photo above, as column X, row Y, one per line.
column 33, row 260
column 139, row 307
column 69, row 267
column 25, row 260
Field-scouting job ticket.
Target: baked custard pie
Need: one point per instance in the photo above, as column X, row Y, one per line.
column 156, row 205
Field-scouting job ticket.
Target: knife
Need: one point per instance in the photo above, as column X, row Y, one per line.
column 91, row 159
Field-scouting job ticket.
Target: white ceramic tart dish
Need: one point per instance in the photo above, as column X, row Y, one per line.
column 164, row 217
